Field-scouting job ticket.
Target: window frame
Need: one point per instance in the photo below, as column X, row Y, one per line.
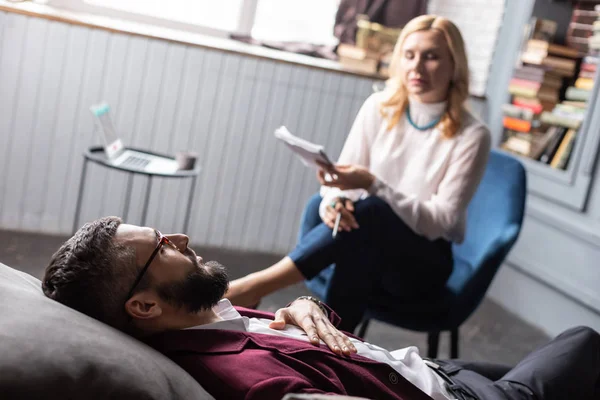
column 244, row 23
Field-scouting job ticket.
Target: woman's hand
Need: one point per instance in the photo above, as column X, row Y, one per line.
column 308, row 316
column 346, row 208
column 346, row 177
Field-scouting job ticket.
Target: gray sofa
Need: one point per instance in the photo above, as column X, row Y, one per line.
column 49, row 351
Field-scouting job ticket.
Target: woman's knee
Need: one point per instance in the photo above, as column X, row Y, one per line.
column 371, row 204
column 311, row 209
column 375, row 210
column 310, row 216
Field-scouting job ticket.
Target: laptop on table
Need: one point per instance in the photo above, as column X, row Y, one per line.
column 118, row 155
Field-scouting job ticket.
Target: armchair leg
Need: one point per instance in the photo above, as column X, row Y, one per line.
column 454, row 343
column 433, row 339
column 362, row 330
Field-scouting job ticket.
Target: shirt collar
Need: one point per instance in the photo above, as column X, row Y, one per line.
column 426, row 109
column 230, row 318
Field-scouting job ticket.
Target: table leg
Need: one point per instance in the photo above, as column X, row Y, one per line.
column 189, row 205
column 146, row 200
column 127, row 197
column 80, row 195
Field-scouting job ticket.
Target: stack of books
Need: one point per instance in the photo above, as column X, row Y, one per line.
column 582, row 25
column 537, row 124
column 594, row 40
column 358, row 59
column 373, row 50
column 579, row 93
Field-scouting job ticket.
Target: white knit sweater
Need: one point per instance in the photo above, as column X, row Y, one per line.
column 426, row 179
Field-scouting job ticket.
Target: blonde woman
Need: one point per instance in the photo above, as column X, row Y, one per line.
column 409, row 168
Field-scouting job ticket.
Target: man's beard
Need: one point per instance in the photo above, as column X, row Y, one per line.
column 200, row 290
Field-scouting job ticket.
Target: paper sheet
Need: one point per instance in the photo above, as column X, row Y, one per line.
column 309, row 153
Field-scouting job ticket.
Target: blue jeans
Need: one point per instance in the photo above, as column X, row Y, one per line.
column 383, row 255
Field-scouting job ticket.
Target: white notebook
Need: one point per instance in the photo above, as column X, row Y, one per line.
column 309, row 153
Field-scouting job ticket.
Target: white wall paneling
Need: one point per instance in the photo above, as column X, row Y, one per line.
column 166, row 97
column 479, row 22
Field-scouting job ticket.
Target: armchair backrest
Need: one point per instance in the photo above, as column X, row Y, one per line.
column 494, row 219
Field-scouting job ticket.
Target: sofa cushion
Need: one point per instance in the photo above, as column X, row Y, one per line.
column 52, row 351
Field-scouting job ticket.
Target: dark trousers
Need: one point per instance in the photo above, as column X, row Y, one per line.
column 384, row 254
column 566, row 368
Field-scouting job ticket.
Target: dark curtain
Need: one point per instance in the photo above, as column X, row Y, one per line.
column 390, row 13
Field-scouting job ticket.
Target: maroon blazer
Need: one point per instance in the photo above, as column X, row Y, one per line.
column 242, row 365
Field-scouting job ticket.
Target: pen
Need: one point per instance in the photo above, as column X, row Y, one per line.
column 337, row 225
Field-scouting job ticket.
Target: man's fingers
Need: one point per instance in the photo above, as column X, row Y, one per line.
column 348, row 345
column 327, row 336
column 280, row 319
column 310, row 328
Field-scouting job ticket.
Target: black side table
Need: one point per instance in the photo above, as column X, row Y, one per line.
column 96, row 154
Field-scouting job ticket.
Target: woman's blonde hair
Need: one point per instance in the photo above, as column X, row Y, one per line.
column 459, row 85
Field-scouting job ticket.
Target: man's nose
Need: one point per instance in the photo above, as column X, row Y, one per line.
column 180, row 240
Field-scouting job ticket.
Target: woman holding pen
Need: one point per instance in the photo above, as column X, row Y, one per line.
column 399, row 192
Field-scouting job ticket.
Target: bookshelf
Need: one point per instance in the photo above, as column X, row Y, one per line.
column 551, row 120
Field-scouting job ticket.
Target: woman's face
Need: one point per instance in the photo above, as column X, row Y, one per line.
column 426, row 66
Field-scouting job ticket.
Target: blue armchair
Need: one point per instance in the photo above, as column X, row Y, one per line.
column 493, row 224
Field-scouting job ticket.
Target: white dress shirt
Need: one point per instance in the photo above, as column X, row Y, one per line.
column 406, row 362
column 426, row 179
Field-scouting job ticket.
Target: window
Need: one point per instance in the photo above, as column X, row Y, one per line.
column 308, row 21
column 278, row 20
column 222, row 14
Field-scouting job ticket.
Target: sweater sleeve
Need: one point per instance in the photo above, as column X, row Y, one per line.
column 356, row 149
column 441, row 215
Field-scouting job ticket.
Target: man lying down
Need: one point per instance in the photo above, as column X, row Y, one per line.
column 156, row 288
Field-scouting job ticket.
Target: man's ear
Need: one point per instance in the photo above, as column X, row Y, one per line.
column 143, row 306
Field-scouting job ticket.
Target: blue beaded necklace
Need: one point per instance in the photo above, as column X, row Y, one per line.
column 424, row 127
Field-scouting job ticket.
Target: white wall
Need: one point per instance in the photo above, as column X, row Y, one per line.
column 169, row 97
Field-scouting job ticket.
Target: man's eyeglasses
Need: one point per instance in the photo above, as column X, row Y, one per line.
column 162, row 240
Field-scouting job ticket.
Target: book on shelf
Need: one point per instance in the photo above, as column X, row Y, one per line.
column 542, row 29
column 534, row 104
column 514, row 111
column 533, row 90
column 546, row 48
column 358, row 59
column 584, row 83
column 537, row 74
column 550, row 149
column 577, row 94
column 579, row 104
column 569, row 111
column 517, row 124
column 556, row 119
column 530, row 145
column 566, row 156
column 558, row 65
column 563, row 152
column 518, row 143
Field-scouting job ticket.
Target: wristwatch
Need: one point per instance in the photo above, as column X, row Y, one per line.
column 316, row 301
